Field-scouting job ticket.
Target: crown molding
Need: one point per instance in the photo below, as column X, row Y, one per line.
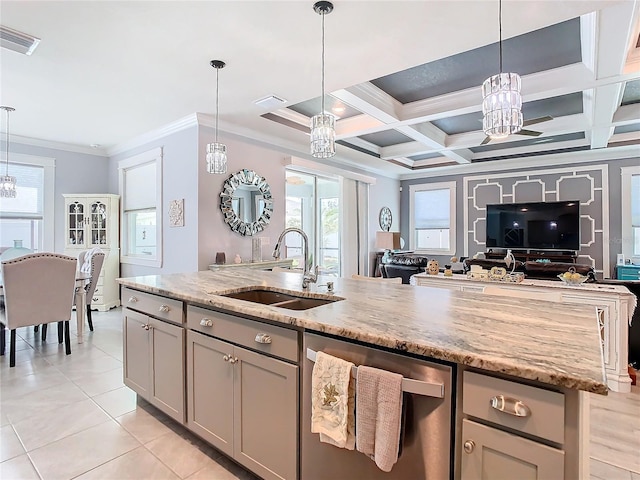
column 67, row 147
column 171, row 128
column 564, row 159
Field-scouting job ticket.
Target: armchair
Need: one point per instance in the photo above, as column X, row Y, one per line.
column 38, row 288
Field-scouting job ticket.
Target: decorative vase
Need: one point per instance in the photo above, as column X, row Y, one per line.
column 16, row 251
column 238, row 258
column 220, row 258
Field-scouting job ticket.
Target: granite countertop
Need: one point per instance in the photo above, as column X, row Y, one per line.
column 553, row 343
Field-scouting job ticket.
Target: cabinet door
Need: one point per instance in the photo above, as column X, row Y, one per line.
column 98, row 223
column 137, row 348
column 266, row 415
column 76, row 221
column 167, row 368
column 489, row 453
column 210, row 390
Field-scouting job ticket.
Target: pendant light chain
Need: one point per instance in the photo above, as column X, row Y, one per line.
column 6, row 145
column 322, row 111
column 500, row 27
column 217, row 100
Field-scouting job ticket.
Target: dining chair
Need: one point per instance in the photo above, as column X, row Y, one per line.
column 38, row 288
column 376, row 279
column 97, row 259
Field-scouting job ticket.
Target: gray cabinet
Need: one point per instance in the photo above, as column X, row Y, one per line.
column 511, row 430
column 154, row 352
column 489, row 453
column 243, row 402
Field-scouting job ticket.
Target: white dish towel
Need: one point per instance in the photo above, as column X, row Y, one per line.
column 379, row 415
column 333, row 401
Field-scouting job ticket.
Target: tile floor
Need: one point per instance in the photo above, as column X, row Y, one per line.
column 64, row 417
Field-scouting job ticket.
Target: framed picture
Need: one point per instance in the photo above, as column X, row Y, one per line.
column 620, row 259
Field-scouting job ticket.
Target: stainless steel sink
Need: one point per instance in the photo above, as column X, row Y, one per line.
column 280, row 299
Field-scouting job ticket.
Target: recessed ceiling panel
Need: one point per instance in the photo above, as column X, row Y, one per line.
column 537, row 51
column 425, row 156
column 386, row 138
column 312, row 107
column 555, row 107
column 631, row 93
column 357, row 148
column 528, row 141
column 634, row 127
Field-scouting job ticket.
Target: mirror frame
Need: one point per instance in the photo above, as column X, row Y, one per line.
column 250, row 178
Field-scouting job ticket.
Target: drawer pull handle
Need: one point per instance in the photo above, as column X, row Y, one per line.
column 510, row 405
column 164, row 308
column 233, row 359
column 469, row 446
column 263, row 338
column 206, row 322
column 133, row 299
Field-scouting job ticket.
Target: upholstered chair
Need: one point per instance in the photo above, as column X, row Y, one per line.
column 38, row 288
column 97, row 259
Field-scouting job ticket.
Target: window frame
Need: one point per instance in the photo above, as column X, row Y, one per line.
column 421, row 187
column 48, row 194
column 625, row 196
column 145, row 158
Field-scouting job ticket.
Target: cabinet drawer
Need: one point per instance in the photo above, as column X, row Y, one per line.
column 546, row 408
column 153, row 305
column 284, row 342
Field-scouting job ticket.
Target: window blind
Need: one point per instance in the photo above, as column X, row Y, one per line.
column 432, row 209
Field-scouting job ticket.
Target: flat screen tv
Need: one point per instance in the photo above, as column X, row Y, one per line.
column 534, row 226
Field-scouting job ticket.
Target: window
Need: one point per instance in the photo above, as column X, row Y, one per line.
column 630, row 211
column 29, row 216
column 432, row 218
column 312, row 204
column 141, row 190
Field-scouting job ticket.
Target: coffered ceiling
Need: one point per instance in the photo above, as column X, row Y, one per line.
column 402, row 77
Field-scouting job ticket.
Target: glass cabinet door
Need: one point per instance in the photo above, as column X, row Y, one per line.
column 75, row 235
column 98, row 223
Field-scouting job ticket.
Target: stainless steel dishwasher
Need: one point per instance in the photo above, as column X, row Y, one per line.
column 427, row 440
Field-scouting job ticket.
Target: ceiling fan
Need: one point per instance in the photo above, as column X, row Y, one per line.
column 528, row 133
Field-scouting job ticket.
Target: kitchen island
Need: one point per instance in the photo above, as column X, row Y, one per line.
column 551, row 348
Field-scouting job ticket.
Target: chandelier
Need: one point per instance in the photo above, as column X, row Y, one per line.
column 323, row 125
column 502, row 102
column 7, row 182
column 217, row 152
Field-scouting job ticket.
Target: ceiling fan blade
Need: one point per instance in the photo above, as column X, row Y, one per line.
column 533, row 121
column 529, row 133
column 486, row 140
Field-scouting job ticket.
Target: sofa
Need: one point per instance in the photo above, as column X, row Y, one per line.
column 404, row 265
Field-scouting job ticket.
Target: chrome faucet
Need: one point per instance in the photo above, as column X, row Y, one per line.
column 308, row 275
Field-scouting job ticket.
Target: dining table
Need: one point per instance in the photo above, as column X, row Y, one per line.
column 82, row 280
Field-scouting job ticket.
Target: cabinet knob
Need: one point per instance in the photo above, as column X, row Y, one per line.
column 146, row 327
column 233, row 359
column 206, row 322
column 263, row 338
column 469, row 446
column 133, row 299
column 510, row 406
column 164, row 308
column 225, row 358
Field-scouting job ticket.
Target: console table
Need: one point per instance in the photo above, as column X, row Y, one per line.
column 266, row 265
column 615, row 305
column 532, row 257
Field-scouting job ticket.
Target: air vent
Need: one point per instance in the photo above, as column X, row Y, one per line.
column 17, row 41
column 270, row 102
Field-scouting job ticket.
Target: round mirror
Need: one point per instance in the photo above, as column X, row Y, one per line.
column 246, row 202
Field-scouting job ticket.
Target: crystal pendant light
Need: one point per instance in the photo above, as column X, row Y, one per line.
column 7, row 182
column 323, row 125
column 502, row 102
column 217, row 152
